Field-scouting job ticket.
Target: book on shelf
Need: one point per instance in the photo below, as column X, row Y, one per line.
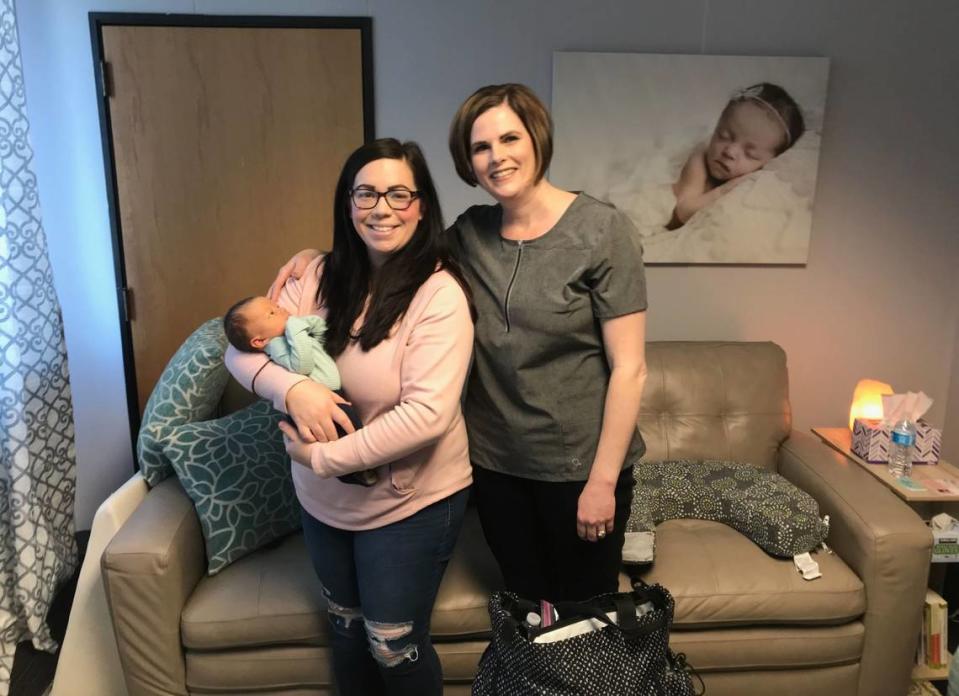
column 933, row 648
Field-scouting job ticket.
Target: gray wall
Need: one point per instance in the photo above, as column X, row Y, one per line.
column 876, row 298
column 951, row 428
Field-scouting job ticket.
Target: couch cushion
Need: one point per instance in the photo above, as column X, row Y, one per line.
column 237, row 473
column 256, row 670
column 188, row 390
column 715, row 400
column 269, row 597
column 273, row 597
column 300, row 670
column 770, row 647
column 721, row 579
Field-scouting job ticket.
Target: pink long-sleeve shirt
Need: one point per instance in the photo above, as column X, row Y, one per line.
column 406, row 390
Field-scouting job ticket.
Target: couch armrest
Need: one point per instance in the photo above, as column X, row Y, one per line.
column 150, row 568
column 883, row 541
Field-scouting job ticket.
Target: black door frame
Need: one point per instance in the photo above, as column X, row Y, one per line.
column 99, row 20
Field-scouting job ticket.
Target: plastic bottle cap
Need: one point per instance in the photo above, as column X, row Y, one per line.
column 532, row 618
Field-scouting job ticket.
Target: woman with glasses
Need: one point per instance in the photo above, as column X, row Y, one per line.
column 399, row 325
column 559, row 365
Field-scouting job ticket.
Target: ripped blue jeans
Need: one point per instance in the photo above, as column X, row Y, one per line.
column 380, row 585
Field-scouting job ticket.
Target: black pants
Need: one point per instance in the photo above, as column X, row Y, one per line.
column 531, row 528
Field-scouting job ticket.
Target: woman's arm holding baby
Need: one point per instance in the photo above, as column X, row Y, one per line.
column 313, row 407
column 432, row 373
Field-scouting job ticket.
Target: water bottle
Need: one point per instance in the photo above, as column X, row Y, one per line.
column 902, row 441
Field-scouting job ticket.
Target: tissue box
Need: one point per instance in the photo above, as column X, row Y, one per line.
column 870, row 440
column 945, row 535
column 945, row 545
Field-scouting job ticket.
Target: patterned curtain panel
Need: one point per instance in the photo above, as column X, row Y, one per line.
column 37, row 463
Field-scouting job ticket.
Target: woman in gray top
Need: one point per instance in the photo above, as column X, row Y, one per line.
column 559, row 354
column 554, row 393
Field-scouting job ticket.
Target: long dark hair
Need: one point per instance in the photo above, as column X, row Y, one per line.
column 348, row 276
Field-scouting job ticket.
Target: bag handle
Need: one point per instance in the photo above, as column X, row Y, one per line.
column 626, row 614
column 625, row 605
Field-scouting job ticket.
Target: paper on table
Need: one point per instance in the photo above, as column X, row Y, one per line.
column 910, row 484
column 940, row 485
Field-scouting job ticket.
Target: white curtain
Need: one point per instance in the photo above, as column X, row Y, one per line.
column 37, row 462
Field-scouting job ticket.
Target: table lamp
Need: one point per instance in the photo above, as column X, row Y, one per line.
column 867, row 400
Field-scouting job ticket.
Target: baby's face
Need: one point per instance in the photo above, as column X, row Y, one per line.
column 746, row 137
column 265, row 319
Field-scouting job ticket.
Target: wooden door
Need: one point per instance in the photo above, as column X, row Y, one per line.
column 226, row 145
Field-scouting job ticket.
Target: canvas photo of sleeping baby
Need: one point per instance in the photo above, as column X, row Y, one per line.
column 714, row 158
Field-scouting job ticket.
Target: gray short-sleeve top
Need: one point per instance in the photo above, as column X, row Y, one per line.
column 537, row 389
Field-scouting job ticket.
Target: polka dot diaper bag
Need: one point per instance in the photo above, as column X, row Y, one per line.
column 613, row 644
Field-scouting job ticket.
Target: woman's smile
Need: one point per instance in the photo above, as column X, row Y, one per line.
column 384, row 230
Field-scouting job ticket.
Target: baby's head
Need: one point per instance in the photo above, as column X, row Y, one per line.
column 252, row 322
column 759, row 123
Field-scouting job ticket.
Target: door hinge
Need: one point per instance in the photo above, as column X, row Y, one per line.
column 126, row 303
column 105, row 90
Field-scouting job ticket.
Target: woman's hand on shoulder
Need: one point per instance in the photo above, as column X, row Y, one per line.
column 315, row 411
column 294, row 268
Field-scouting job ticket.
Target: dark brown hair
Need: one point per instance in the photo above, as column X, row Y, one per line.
column 521, row 100
column 347, row 275
column 778, row 100
column 235, row 326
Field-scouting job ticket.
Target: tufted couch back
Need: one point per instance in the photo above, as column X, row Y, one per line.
column 715, row 400
column 703, row 400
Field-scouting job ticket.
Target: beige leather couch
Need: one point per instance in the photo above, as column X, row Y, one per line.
column 749, row 623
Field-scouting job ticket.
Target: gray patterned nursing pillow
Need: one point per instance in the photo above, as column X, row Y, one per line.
column 763, row 506
column 237, row 472
column 187, row 391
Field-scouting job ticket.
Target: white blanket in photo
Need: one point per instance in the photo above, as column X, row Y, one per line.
column 765, row 219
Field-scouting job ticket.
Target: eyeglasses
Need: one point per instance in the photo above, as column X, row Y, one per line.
column 397, row 199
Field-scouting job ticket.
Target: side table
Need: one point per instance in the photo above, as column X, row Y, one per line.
column 940, row 482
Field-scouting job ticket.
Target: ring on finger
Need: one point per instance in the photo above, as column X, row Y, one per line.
column 601, row 533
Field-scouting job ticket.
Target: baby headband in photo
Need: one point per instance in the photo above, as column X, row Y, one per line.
column 753, row 94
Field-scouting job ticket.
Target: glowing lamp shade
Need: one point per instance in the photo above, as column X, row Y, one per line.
column 867, row 400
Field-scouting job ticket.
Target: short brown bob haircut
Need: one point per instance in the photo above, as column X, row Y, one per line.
column 524, row 103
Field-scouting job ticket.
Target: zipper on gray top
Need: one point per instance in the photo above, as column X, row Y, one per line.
column 509, row 288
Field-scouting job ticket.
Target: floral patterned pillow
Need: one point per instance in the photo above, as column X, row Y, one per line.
column 762, row 505
column 187, row 391
column 237, row 473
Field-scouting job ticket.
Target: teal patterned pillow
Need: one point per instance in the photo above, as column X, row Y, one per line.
column 187, row 391
column 237, row 472
column 780, row 518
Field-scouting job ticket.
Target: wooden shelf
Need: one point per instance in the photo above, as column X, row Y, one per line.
column 923, row 672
